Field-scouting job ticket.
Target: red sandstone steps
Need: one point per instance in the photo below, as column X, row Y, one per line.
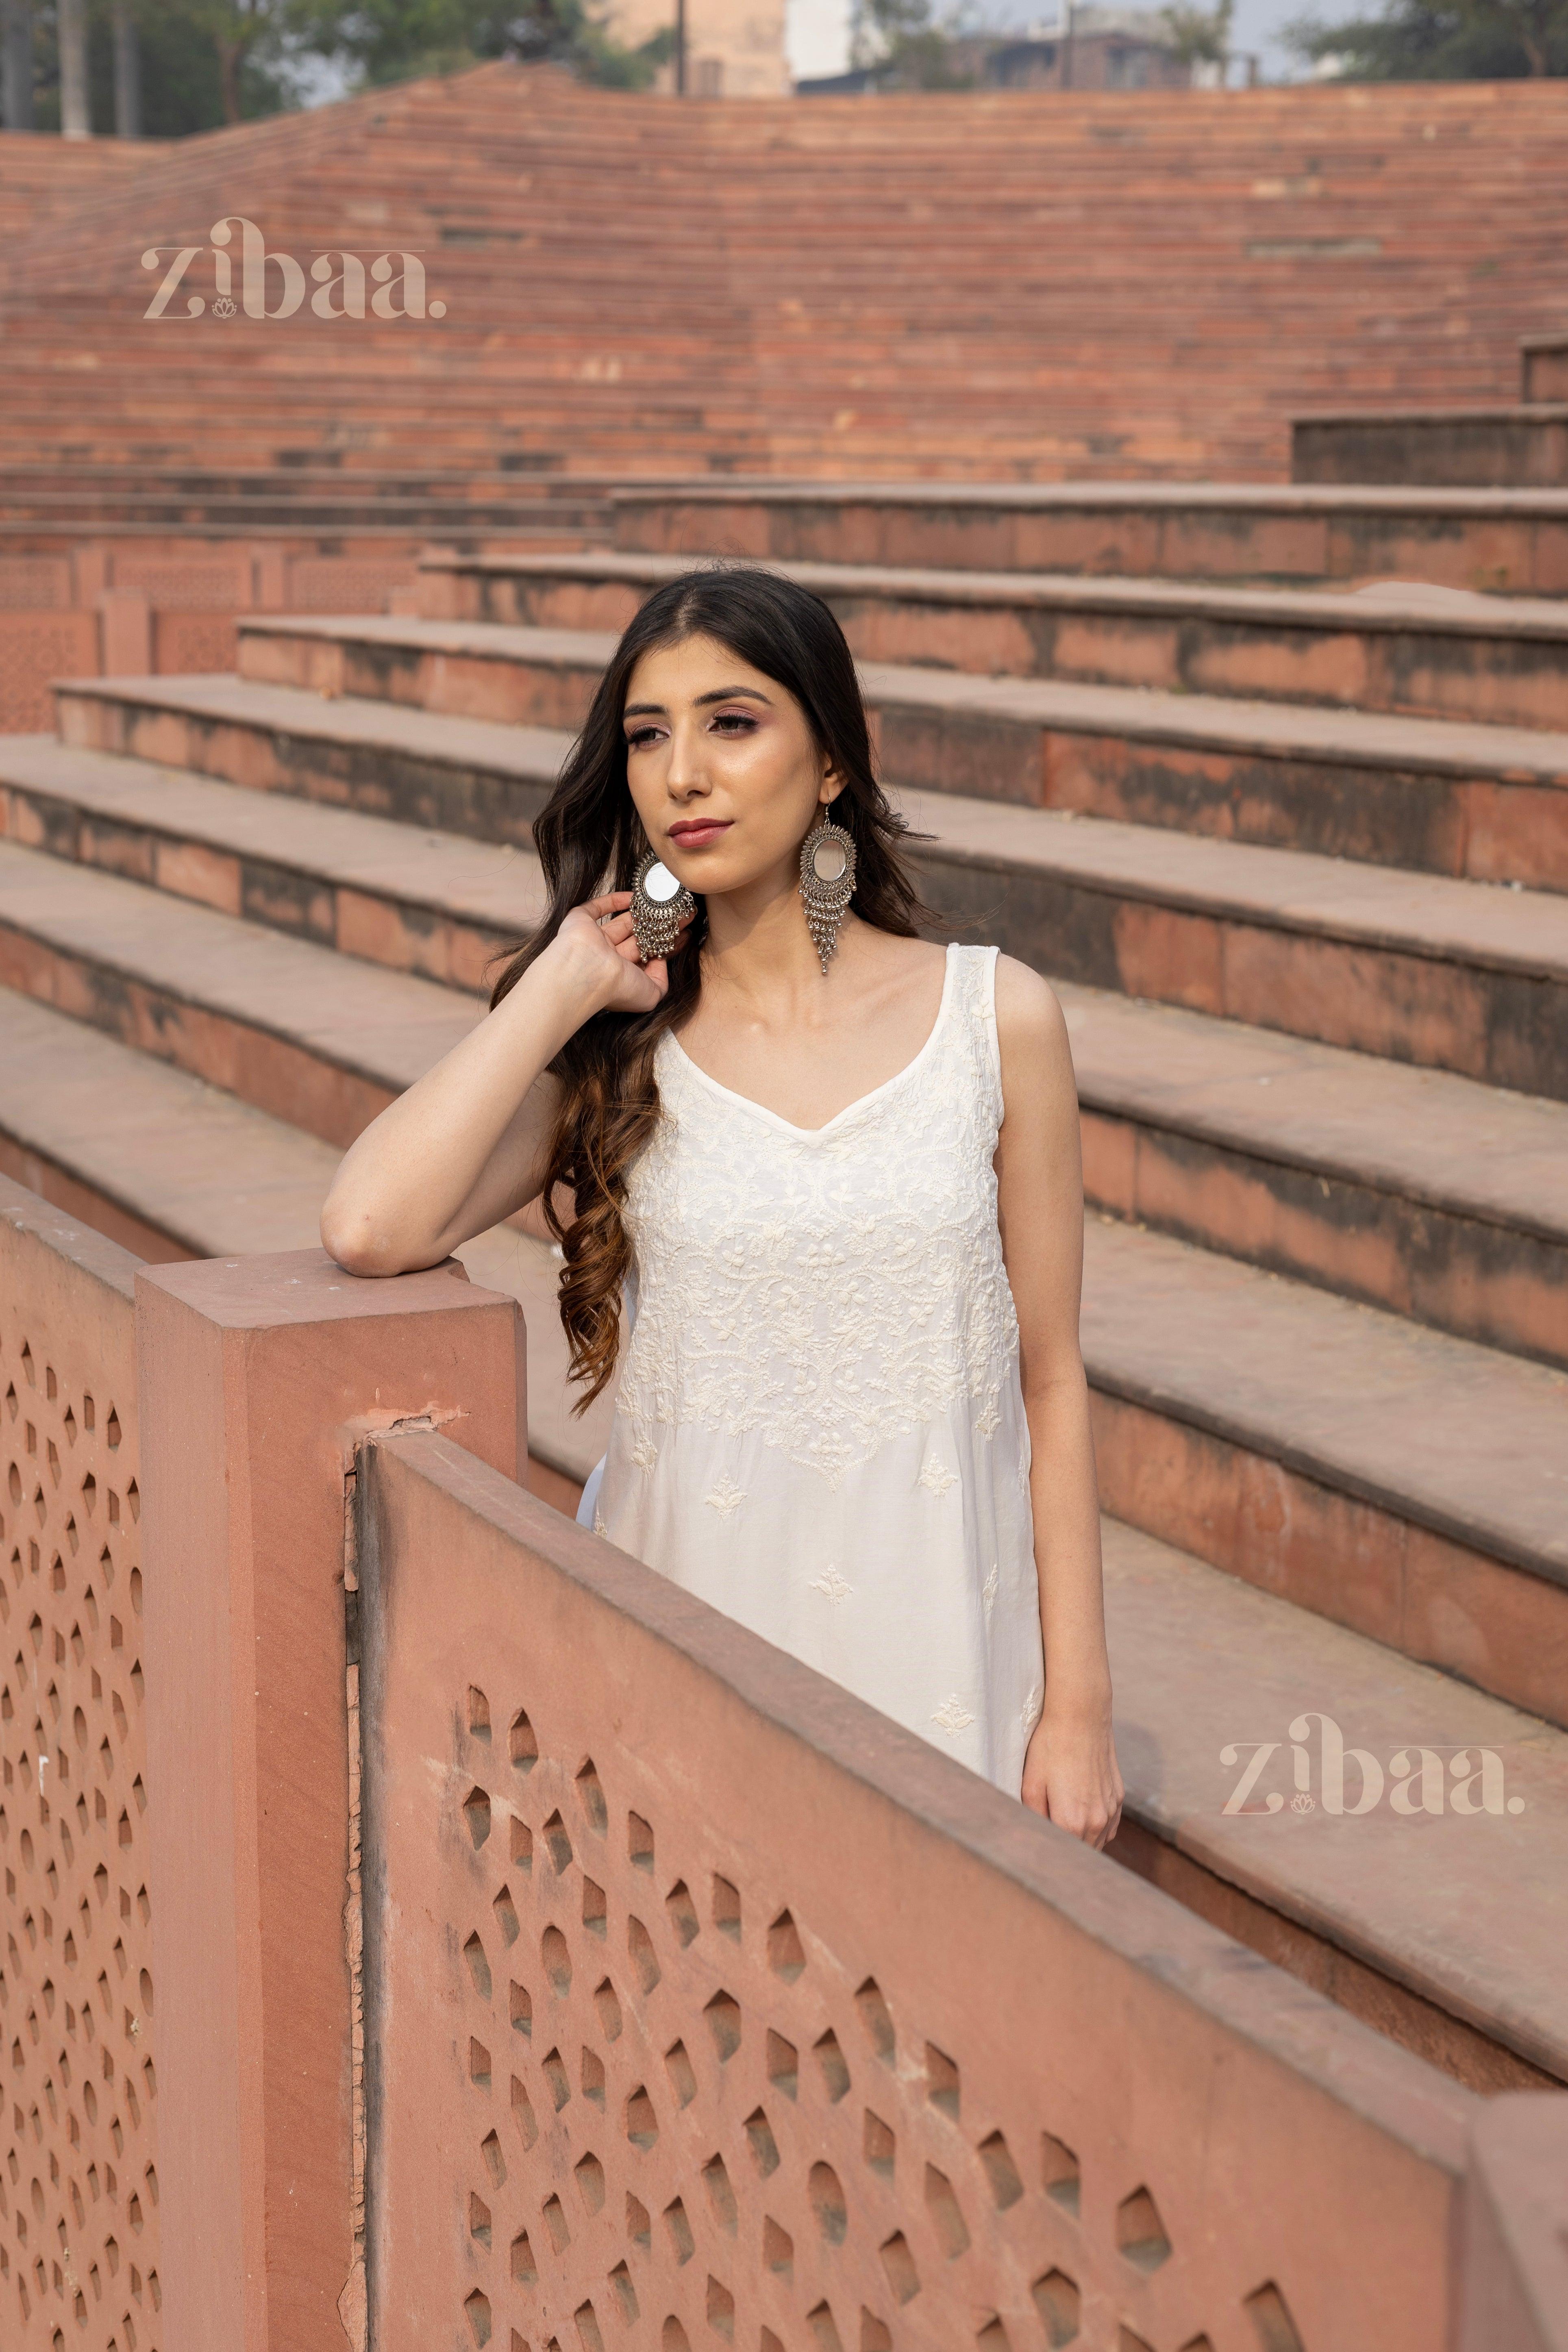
column 1260, row 1421
column 1306, row 535
column 1524, row 448
column 1451, row 976
column 1411, row 1190
column 1489, row 802
column 1434, row 653
column 172, row 1167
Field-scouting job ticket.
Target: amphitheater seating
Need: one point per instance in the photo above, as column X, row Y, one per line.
column 1010, row 284
column 1296, row 856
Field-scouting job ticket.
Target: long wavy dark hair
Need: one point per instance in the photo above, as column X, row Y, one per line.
column 589, row 838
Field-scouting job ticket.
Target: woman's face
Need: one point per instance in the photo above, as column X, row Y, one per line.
column 722, row 767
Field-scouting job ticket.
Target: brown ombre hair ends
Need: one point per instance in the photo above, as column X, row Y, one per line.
column 589, row 839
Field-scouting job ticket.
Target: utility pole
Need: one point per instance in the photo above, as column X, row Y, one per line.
column 680, row 48
column 127, row 73
column 75, row 121
column 17, row 64
column 1067, row 45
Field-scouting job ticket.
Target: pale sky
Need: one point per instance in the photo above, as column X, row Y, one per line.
column 818, row 30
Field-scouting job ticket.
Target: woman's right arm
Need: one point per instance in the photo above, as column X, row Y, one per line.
column 468, row 1144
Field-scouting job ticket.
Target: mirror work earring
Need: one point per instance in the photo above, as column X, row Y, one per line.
column 826, row 882
column 661, row 904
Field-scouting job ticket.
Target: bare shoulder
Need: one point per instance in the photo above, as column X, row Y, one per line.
column 1030, row 1025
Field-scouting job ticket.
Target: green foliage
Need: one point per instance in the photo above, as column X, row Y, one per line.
column 1441, row 40
column 1199, row 36
column 898, row 39
column 393, row 40
column 182, row 79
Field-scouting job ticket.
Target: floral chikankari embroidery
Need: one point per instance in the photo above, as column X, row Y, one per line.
column 1029, row 1713
column 645, row 1453
column 936, row 1476
column 599, row 1526
column 952, row 1716
column 988, row 1592
column 725, row 1497
column 832, row 1584
column 988, row 1423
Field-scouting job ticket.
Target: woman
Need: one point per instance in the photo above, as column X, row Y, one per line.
column 832, row 1169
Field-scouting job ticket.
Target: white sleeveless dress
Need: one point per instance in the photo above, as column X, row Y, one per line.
column 820, row 1427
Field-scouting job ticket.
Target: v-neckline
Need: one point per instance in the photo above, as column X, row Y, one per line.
column 809, row 1134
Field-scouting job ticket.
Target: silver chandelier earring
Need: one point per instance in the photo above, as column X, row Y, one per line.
column 661, row 904
column 826, row 882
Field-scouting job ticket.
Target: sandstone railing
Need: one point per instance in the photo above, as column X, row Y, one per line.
column 545, row 1962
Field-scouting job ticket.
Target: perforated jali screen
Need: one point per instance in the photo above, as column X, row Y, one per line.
column 78, row 2187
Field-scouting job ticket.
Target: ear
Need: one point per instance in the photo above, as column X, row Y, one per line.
column 832, row 785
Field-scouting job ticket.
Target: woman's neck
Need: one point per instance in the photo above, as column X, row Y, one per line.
column 760, row 953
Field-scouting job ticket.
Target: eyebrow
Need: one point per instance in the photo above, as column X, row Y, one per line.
column 719, row 694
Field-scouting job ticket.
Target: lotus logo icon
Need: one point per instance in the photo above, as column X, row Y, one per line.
column 225, row 307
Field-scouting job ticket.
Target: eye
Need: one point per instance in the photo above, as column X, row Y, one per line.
column 735, row 722
column 640, row 736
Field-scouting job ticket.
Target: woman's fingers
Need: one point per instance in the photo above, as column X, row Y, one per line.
column 612, row 902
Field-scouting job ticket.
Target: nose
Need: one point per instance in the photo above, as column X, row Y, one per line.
column 687, row 777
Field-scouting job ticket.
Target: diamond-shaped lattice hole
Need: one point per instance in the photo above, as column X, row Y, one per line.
column 557, row 1957
column 591, row 1791
column 724, row 2016
column 522, row 1744
column 877, row 2018
column 784, row 2065
column 555, row 2222
column 720, row 2195
column 1057, row 2301
column 642, row 2123
column 591, row 2073
column 673, row 2337
column 879, row 2145
column 993, row 2336
column 1270, row 2315
column 523, row 2114
column 760, row 2139
column 1139, row 2232
column 639, row 2227
column 589, row 2174
column 721, row 2310
column 521, row 1856
column 477, row 2311
column 786, row 1954
column 1059, row 2174
column 479, row 2065
column 495, row 2162
column 588, row 2332
column 827, row 2203
column 683, row 2245
column 609, row 2008
column 477, row 1813
column 525, row 2269
column 835, row 2073
column 639, row 1843
column 941, row 2080
column 900, row 2265
column 778, row 2248
column 624, row 2293
column 520, row 2008
column 479, row 2218
column 479, row 1713
column 1001, row 2171
column 644, row 1958
column 478, row 1966
column 875, row 2336
column 1127, row 2341
column 554, row 2071
column 727, row 1908
column 559, row 1843
column 682, row 1912
column 594, row 1917
column 505, row 1911
column 952, row 2231
column 682, row 2075
column 1197, row 2344
column 824, row 2332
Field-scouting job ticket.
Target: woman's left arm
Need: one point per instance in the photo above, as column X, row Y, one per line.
column 1070, row 1770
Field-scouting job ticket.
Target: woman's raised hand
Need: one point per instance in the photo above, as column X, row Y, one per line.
column 599, row 941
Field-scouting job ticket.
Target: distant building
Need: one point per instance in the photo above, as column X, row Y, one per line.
column 1093, row 48
column 735, row 49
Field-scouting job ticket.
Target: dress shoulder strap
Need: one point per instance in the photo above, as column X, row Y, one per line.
column 975, row 987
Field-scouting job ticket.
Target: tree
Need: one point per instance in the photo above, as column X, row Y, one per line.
column 393, row 40
column 1199, row 36
column 1441, row 40
column 898, row 40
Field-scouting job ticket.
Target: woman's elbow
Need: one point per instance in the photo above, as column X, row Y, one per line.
column 349, row 1238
